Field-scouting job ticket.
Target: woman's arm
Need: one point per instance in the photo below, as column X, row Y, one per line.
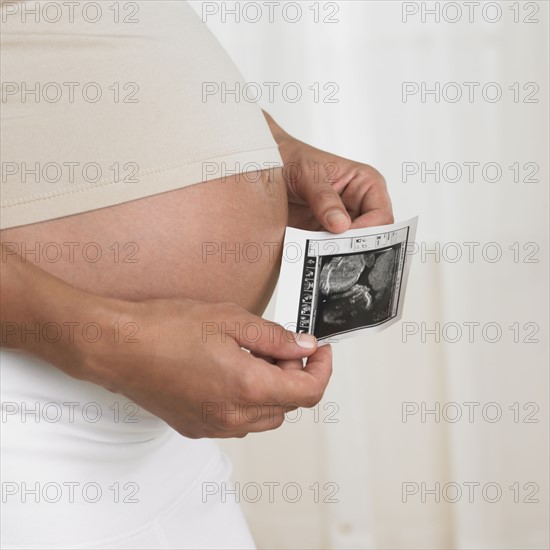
column 39, row 314
column 185, row 363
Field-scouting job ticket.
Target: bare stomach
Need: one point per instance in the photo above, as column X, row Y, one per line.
column 215, row 241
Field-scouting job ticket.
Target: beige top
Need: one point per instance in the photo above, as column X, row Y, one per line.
column 103, row 107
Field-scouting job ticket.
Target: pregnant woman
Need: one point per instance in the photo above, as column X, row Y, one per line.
column 123, row 350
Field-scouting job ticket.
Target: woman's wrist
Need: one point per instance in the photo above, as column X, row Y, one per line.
column 102, row 327
column 279, row 135
column 89, row 331
column 56, row 322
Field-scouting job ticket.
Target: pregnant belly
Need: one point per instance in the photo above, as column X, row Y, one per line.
column 216, row 241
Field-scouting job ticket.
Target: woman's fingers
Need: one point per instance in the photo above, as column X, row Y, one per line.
column 304, row 387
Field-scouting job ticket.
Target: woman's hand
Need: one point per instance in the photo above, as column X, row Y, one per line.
column 188, row 367
column 182, row 360
column 328, row 191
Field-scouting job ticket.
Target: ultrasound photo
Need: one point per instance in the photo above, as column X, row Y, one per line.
column 343, row 284
column 356, row 290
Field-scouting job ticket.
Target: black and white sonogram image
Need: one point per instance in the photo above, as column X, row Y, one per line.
column 345, row 284
column 356, row 290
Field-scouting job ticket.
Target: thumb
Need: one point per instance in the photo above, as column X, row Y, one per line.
column 265, row 338
column 326, row 204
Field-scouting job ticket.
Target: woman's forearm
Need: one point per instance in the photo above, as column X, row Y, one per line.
column 42, row 315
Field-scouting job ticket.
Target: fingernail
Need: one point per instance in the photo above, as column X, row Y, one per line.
column 306, row 341
column 336, row 217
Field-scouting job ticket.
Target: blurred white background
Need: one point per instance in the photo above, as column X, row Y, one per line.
column 356, row 447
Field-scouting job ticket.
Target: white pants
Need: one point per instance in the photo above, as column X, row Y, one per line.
column 86, row 468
